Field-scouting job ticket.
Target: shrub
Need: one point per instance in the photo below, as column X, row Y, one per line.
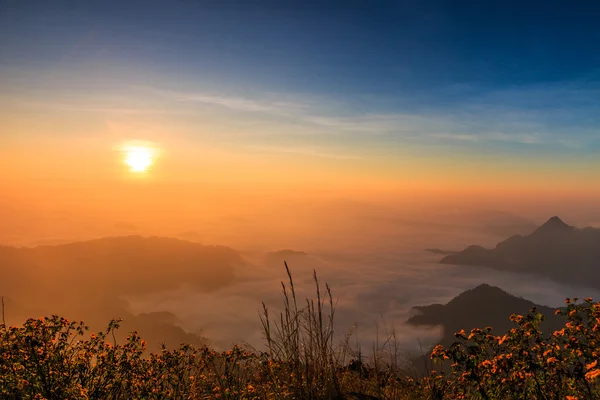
column 524, row 363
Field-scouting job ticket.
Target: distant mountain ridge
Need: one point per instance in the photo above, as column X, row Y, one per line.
column 89, row 279
column 141, row 264
column 555, row 249
column 276, row 258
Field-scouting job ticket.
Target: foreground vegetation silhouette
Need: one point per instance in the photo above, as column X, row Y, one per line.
column 53, row 358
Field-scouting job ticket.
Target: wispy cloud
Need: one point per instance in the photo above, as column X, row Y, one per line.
column 489, row 137
column 120, row 110
column 236, row 103
column 559, row 116
column 106, row 107
column 305, row 150
column 530, row 116
column 377, row 124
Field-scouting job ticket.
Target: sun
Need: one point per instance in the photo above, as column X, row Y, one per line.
column 138, row 158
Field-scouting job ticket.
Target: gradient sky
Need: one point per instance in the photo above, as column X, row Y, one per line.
column 491, row 97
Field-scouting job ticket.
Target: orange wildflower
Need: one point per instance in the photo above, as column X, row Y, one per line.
column 590, row 376
column 591, row 365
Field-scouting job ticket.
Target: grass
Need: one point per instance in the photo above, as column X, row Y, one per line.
column 52, row 358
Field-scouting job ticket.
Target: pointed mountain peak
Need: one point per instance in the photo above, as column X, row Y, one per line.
column 554, row 224
column 491, row 296
column 484, row 288
column 483, row 292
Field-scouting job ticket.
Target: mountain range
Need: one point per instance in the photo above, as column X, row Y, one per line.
column 127, row 264
column 555, row 249
column 89, row 280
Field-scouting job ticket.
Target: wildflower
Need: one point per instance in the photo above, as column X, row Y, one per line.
column 461, row 333
column 516, row 318
column 591, row 375
column 591, row 365
column 438, row 351
column 559, row 333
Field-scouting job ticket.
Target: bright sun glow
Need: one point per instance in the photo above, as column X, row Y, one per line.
column 138, row 158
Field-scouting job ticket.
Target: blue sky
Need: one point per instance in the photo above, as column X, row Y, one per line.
column 497, row 78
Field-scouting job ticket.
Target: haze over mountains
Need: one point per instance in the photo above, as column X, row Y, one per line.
column 555, row 249
column 141, row 264
column 87, row 280
column 176, row 291
column 247, row 221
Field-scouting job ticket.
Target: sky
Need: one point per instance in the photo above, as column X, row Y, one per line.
column 473, row 101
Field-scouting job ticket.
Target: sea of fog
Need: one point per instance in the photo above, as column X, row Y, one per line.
column 374, row 293
column 373, row 260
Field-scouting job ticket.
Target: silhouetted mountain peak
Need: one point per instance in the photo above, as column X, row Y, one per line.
column 481, row 293
column 485, row 288
column 554, row 224
column 481, row 306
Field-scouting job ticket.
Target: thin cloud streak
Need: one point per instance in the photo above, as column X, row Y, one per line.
column 236, row 103
column 310, row 151
column 488, row 118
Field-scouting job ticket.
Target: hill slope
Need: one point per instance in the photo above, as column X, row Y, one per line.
column 479, row 307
